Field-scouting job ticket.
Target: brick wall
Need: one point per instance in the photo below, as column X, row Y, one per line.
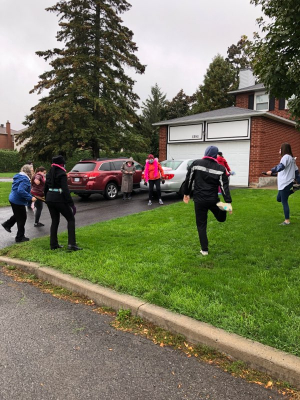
column 163, row 136
column 266, row 139
column 6, row 140
column 241, row 101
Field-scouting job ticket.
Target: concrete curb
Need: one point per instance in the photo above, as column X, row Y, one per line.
column 278, row 364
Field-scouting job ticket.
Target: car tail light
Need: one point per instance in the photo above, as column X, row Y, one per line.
column 93, row 175
column 169, row 176
column 143, row 175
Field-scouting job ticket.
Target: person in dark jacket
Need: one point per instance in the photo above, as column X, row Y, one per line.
column 59, row 201
column 207, row 175
column 19, row 198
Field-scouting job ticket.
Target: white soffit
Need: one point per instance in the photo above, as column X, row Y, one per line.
column 186, row 133
column 227, row 130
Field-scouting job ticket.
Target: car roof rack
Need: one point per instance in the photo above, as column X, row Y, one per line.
column 104, row 158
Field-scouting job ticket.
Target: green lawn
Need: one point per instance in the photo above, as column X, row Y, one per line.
column 5, row 189
column 7, row 174
column 249, row 284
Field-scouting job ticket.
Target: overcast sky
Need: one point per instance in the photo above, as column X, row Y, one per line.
column 177, row 40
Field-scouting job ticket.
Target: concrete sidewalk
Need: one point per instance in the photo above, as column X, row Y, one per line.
column 278, row 364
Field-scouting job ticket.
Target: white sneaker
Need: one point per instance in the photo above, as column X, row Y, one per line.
column 149, row 203
column 204, row 253
column 160, row 201
column 224, row 206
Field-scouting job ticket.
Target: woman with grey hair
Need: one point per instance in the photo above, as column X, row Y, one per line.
column 128, row 169
column 20, row 197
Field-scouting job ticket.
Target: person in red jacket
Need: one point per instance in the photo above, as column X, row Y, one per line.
column 152, row 174
column 221, row 160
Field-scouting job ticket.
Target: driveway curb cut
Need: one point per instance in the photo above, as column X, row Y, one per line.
column 276, row 363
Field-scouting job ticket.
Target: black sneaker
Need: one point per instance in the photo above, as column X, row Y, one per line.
column 37, row 224
column 59, row 246
column 74, row 247
column 23, row 239
column 6, row 228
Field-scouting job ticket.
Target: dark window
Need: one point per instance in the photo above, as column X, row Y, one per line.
column 251, row 101
column 138, row 167
column 84, row 167
column 281, row 104
column 116, row 165
column 272, row 104
column 105, row 166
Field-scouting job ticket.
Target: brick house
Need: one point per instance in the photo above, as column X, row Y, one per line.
column 6, row 137
column 249, row 134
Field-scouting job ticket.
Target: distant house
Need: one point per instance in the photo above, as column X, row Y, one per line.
column 6, row 137
column 19, row 146
column 249, row 134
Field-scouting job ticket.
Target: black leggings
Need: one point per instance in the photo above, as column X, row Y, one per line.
column 19, row 217
column 201, row 211
column 65, row 210
column 155, row 182
column 39, row 207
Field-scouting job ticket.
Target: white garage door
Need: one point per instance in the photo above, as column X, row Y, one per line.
column 235, row 152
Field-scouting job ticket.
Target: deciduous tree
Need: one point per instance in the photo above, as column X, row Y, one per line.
column 277, row 53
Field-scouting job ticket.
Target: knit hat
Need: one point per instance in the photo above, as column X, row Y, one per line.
column 58, row 160
column 211, row 151
column 151, row 156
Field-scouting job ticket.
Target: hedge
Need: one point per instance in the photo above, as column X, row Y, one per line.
column 10, row 160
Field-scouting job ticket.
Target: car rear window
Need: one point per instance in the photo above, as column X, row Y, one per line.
column 84, row 167
column 171, row 164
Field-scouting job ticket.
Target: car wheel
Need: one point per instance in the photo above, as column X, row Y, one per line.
column 111, row 191
column 84, row 196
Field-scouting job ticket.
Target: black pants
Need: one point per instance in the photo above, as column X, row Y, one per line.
column 201, row 211
column 19, row 216
column 65, row 210
column 155, row 182
column 39, row 207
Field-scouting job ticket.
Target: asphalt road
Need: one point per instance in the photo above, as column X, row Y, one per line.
column 52, row 349
column 90, row 211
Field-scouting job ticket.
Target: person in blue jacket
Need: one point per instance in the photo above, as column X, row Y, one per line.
column 19, row 198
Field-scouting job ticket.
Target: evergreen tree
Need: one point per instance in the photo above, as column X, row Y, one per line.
column 179, row 106
column 90, row 103
column 153, row 111
column 220, row 78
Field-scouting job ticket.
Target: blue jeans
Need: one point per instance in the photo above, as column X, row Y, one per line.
column 283, row 196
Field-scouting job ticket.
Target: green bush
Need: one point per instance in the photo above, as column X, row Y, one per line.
column 10, row 161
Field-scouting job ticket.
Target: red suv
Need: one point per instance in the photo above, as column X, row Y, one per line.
column 101, row 175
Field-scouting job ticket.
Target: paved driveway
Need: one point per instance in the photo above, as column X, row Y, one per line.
column 94, row 209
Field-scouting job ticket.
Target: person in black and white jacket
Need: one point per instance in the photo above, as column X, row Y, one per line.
column 207, row 175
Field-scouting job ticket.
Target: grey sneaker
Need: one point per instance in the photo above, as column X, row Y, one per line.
column 204, row 253
column 149, row 203
column 224, row 206
column 160, row 201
